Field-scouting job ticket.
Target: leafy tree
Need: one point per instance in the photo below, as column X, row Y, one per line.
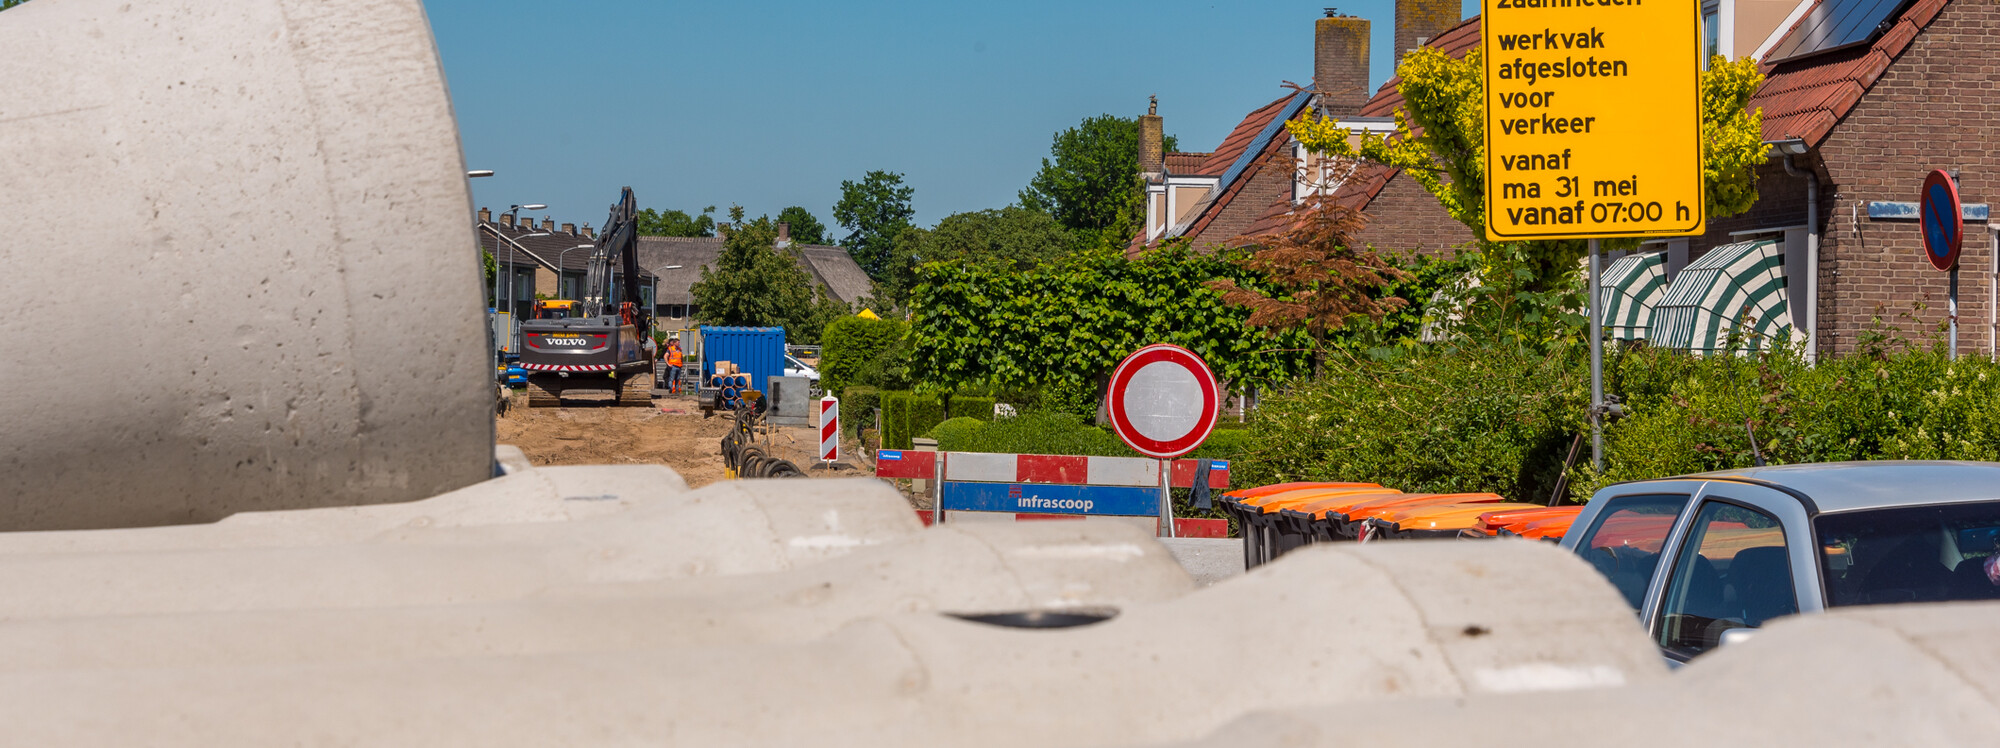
column 755, row 284
column 1319, row 277
column 5, row 4
column 1011, row 237
column 874, row 210
column 1062, row 325
column 1439, row 140
column 1092, row 185
column 860, row 351
column 805, row 228
column 676, row 223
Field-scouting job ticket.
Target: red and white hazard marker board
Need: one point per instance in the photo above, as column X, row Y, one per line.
column 829, row 428
column 1163, row 401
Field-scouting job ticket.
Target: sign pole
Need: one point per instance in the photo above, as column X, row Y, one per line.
column 1952, row 308
column 1163, row 401
column 1596, row 364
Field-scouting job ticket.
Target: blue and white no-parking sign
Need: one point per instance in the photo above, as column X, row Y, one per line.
column 1943, row 221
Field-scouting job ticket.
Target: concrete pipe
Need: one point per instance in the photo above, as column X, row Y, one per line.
column 1893, row 675
column 550, row 494
column 734, row 527
column 1323, row 625
column 241, row 273
column 977, row 568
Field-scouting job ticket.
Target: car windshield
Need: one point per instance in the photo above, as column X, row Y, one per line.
column 1911, row 554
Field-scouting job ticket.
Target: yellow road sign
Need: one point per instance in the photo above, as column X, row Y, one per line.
column 1593, row 118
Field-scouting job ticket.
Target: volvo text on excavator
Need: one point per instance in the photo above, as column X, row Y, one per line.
column 594, row 348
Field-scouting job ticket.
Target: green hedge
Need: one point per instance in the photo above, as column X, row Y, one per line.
column 860, row 351
column 967, row 406
column 1498, row 420
column 906, row 415
column 857, row 408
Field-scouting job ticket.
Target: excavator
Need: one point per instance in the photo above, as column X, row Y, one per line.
column 591, row 349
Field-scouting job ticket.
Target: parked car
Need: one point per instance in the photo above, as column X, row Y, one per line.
column 1746, row 546
column 796, row 368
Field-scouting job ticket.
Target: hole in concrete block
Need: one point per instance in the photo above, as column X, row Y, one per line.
column 1041, row 619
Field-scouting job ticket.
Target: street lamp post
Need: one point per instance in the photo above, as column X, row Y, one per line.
column 511, row 213
column 559, row 263
column 496, row 274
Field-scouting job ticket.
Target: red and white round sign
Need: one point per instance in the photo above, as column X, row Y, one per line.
column 1163, row 401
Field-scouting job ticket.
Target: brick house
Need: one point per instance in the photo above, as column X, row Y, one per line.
column 1251, row 182
column 1867, row 119
column 1874, row 118
column 547, row 259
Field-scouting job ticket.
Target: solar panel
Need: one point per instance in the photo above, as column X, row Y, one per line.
column 1837, row 24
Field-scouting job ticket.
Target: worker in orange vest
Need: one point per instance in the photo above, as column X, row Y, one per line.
column 674, row 365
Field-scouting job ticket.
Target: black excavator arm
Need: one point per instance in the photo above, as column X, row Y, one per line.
column 619, row 243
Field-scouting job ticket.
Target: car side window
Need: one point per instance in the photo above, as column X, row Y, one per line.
column 1732, row 572
column 1624, row 543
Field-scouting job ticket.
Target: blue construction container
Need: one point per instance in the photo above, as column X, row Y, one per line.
column 758, row 352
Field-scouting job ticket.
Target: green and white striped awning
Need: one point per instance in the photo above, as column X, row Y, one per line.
column 1731, row 300
column 1627, row 292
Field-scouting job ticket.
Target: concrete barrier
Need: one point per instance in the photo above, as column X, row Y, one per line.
column 961, row 569
column 1325, row 625
column 1892, row 675
column 734, row 527
column 241, row 273
column 550, row 494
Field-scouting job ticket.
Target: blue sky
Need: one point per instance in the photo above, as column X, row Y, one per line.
column 772, row 104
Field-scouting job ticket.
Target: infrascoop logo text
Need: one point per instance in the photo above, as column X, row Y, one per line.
column 1031, row 502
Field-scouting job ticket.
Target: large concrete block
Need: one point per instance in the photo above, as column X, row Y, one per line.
column 240, row 270
column 734, row 527
column 1892, row 675
column 550, row 494
column 1325, row 625
column 981, row 569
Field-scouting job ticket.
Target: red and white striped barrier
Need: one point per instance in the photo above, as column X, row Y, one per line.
column 1042, row 487
column 829, row 428
column 1053, row 469
column 569, row 367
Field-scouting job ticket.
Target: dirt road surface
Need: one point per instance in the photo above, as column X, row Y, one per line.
column 670, row 433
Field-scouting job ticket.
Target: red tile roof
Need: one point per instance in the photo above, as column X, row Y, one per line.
column 1188, row 164
column 1801, row 98
column 1805, row 98
column 1218, row 162
column 1367, row 181
column 1239, row 138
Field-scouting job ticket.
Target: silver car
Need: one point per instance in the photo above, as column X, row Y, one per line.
column 1746, row 546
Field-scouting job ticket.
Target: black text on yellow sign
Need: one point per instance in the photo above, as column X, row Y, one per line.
column 1593, row 118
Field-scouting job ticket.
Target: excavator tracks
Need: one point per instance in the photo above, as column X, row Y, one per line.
column 635, row 391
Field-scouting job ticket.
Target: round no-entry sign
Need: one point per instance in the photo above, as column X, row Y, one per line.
column 1163, row 401
column 1944, row 224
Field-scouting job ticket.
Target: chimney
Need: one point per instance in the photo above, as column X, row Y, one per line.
column 1419, row 21
column 1340, row 63
column 485, row 215
column 1152, row 140
column 548, row 224
column 587, row 234
column 569, row 228
column 507, row 219
column 784, row 234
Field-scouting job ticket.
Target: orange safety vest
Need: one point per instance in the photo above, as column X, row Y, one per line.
column 674, row 355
